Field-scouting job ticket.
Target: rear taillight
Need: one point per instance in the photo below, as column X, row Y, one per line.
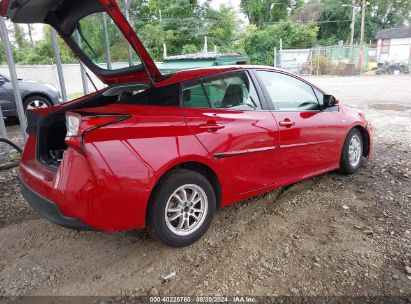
column 73, row 124
column 79, row 124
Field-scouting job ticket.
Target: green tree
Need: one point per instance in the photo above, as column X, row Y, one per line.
column 335, row 18
column 181, row 23
column 224, row 29
column 334, row 22
column 42, row 51
column 260, row 42
column 189, row 49
column 19, row 36
column 154, row 46
column 263, row 11
column 383, row 14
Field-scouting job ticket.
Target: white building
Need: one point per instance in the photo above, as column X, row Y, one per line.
column 394, row 45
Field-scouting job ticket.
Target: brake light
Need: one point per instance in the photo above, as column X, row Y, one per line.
column 78, row 125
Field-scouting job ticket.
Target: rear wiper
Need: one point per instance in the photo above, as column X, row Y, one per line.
column 85, row 40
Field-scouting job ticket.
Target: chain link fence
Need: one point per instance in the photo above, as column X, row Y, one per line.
column 344, row 61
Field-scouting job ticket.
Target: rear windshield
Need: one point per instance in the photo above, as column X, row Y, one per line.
column 168, row 96
column 103, row 43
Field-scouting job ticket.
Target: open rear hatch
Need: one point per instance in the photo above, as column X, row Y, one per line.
column 77, row 22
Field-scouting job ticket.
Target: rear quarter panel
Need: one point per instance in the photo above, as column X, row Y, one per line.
column 128, row 158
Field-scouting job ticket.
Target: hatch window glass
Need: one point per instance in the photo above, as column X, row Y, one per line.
column 103, row 43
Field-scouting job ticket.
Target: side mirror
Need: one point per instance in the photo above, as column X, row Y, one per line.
column 330, row 101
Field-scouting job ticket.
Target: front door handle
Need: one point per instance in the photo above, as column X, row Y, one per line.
column 211, row 127
column 287, row 123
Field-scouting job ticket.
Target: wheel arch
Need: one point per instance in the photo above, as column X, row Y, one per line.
column 197, row 166
column 366, row 138
column 32, row 94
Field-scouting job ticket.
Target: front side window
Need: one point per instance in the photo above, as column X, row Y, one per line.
column 103, row 43
column 288, row 93
column 320, row 96
column 236, row 92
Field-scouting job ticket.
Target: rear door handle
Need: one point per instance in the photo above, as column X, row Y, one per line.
column 287, row 123
column 211, row 127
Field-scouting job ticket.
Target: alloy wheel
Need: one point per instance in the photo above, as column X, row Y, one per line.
column 186, row 210
column 37, row 104
column 355, row 150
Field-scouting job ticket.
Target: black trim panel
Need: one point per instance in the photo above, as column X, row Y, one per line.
column 50, row 211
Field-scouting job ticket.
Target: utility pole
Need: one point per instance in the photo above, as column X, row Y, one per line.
column 352, row 32
column 361, row 57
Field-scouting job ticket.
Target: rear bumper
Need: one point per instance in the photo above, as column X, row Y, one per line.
column 88, row 190
column 50, row 211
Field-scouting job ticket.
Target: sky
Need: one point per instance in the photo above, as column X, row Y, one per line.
column 233, row 3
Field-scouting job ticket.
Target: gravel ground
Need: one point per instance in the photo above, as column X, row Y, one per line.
column 331, row 235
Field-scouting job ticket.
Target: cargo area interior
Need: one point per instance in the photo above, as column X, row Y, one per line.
column 51, row 129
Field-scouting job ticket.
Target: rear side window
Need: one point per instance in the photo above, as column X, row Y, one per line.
column 168, row 96
column 236, row 92
column 194, row 96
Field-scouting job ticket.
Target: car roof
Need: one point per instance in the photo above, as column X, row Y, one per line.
column 191, row 74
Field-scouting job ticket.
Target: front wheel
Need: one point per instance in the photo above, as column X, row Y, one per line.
column 181, row 209
column 351, row 158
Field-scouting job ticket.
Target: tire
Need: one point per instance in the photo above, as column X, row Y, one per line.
column 36, row 102
column 166, row 195
column 352, row 153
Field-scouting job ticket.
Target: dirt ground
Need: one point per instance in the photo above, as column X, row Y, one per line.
column 331, row 235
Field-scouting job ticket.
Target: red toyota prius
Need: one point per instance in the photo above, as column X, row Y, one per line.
column 164, row 152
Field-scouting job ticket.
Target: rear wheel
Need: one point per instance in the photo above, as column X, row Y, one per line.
column 351, row 158
column 182, row 208
column 36, row 102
